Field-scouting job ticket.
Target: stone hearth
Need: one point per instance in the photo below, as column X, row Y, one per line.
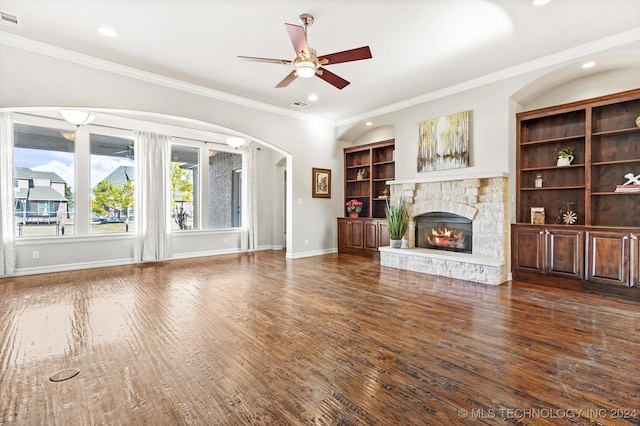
column 481, row 198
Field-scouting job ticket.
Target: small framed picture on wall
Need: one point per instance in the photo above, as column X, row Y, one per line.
column 321, row 183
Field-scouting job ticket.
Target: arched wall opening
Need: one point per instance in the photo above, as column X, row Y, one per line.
column 75, row 252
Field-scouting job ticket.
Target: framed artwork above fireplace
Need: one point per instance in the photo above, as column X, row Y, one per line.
column 443, row 142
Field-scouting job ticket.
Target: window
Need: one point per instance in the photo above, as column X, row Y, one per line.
column 225, row 193
column 184, row 179
column 44, row 181
column 112, row 184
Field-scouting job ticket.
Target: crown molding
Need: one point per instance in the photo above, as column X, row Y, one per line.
column 596, row 46
column 41, row 48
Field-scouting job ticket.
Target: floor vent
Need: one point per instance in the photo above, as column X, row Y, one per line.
column 65, row 374
column 10, row 19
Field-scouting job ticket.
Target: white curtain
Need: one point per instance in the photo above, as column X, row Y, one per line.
column 153, row 197
column 249, row 235
column 7, row 235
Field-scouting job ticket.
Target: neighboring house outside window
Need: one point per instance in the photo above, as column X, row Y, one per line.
column 38, row 196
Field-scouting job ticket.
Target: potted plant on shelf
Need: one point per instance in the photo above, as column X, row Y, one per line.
column 354, row 207
column 563, row 155
column 397, row 221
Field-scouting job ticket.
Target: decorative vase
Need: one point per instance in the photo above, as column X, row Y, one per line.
column 353, row 214
column 565, row 161
column 396, row 243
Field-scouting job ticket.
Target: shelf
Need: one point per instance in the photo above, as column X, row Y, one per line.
column 380, row 199
column 615, row 193
column 617, row 132
column 606, row 146
column 554, row 188
column 554, row 140
column 377, row 161
column 608, row 163
column 536, row 169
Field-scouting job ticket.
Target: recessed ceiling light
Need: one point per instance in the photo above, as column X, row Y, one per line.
column 107, row 32
column 369, row 123
column 313, row 97
column 589, row 64
column 540, row 2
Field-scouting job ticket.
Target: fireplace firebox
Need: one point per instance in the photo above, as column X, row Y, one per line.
column 444, row 231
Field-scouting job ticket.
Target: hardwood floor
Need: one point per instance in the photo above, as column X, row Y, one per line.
column 331, row 340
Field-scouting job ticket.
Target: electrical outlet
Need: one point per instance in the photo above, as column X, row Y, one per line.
column 226, row 240
column 306, row 242
column 35, row 255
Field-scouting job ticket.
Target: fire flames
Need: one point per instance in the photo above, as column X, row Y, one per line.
column 443, row 237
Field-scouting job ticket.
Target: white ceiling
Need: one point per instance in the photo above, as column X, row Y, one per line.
column 418, row 46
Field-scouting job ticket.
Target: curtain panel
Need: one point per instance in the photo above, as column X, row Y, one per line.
column 249, row 233
column 7, row 225
column 153, row 197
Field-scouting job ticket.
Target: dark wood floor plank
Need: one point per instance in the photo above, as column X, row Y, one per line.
column 331, row 340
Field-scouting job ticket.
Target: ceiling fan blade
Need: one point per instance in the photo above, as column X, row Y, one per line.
column 332, row 79
column 268, row 60
column 288, row 79
column 357, row 54
column 298, row 38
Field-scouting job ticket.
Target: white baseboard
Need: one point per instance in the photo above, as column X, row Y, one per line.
column 205, row 253
column 72, row 267
column 270, row 247
column 311, row 253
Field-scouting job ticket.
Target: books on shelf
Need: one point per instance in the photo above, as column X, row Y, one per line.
column 628, row 188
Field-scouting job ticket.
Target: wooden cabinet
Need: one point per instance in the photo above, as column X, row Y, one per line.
column 362, row 236
column 606, row 143
column 550, row 251
column 367, row 168
column 601, row 245
column 350, row 233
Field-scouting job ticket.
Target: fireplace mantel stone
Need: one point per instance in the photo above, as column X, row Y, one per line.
column 481, row 197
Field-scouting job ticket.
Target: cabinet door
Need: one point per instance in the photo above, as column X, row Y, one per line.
column 635, row 260
column 344, row 234
column 356, row 233
column 565, row 252
column 383, row 235
column 371, row 235
column 528, row 249
column 608, row 257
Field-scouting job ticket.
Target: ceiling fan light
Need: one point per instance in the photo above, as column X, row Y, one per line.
column 305, row 69
column 77, row 118
column 235, row 141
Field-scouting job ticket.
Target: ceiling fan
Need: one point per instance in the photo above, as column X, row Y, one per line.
column 128, row 151
column 307, row 63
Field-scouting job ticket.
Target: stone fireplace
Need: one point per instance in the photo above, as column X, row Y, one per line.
column 475, row 206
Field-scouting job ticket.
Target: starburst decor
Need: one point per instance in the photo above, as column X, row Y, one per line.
column 569, row 217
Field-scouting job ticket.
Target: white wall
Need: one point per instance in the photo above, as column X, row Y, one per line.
column 310, row 143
